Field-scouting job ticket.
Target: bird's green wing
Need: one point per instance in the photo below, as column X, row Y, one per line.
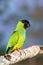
column 12, row 41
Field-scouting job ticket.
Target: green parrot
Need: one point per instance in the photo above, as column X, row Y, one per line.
column 17, row 38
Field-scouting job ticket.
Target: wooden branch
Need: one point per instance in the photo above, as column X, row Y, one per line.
column 20, row 55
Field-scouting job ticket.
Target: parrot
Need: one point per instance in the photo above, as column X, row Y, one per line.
column 18, row 36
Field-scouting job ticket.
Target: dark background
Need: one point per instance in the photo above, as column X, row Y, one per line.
column 38, row 60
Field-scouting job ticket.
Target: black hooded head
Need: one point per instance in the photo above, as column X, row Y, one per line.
column 26, row 23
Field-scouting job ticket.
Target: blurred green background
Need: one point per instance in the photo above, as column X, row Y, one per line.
column 12, row 11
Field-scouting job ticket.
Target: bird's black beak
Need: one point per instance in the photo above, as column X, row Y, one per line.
column 28, row 25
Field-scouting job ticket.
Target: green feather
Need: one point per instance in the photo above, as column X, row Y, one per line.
column 19, row 32
column 12, row 41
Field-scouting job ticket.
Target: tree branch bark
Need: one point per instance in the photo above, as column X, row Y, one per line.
column 20, row 55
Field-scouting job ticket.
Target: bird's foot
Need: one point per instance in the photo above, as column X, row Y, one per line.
column 20, row 51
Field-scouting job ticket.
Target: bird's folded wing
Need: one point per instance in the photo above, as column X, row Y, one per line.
column 13, row 40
